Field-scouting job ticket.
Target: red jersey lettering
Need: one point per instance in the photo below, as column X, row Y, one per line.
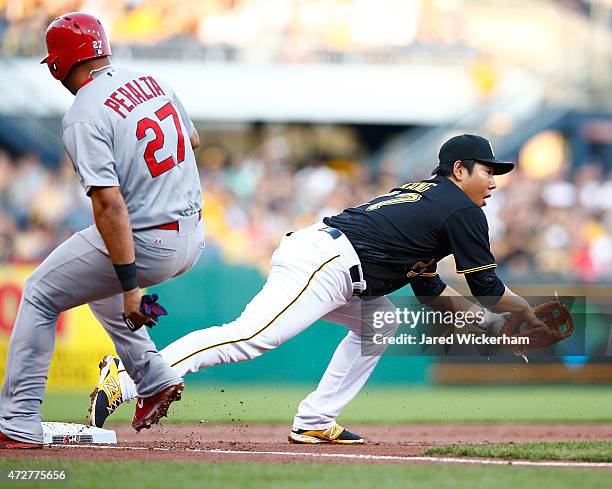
column 127, row 95
column 121, row 101
column 149, row 96
column 115, row 106
column 155, row 88
column 137, row 95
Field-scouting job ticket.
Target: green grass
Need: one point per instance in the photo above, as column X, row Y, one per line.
column 585, row 451
column 273, row 404
column 228, row 475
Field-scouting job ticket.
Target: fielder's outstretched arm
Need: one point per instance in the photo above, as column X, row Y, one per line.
column 486, row 287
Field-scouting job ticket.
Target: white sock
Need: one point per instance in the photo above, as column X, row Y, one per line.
column 128, row 388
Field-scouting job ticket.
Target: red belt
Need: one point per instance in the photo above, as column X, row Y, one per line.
column 174, row 225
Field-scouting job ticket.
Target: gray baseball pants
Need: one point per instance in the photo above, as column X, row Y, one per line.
column 79, row 271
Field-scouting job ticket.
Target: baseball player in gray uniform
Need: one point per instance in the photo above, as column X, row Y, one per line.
column 131, row 144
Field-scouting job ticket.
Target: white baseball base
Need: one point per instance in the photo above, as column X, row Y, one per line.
column 76, row 434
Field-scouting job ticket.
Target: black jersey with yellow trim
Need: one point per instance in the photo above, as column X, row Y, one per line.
column 403, row 234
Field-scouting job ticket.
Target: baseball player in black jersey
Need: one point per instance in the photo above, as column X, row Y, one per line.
column 342, row 268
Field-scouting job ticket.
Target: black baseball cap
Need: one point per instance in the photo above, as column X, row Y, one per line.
column 470, row 147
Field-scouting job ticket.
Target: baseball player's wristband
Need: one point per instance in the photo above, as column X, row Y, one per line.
column 127, row 276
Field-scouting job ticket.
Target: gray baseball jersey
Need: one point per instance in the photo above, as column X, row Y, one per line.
column 130, row 130
column 125, row 130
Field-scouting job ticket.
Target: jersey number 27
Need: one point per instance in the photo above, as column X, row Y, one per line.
column 158, row 167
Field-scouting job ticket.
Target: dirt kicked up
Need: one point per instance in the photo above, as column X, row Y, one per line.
column 268, row 443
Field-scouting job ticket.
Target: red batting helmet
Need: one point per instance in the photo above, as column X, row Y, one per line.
column 73, row 38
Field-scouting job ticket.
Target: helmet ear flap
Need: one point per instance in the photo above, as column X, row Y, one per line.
column 53, row 63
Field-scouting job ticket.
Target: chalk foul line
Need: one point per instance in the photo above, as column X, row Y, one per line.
column 357, row 456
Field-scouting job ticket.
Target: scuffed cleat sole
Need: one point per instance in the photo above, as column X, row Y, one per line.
column 161, row 410
column 103, row 366
column 93, row 394
column 92, row 398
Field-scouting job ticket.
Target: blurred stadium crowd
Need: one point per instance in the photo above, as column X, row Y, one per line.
column 554, row 229
column 315, row 30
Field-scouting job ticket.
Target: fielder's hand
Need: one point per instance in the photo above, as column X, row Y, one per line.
column 545, row 325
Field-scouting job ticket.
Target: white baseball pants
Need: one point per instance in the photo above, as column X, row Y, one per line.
column 309, row 279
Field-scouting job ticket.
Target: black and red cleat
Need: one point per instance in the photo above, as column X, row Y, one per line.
column 149, row 410
column 6, row 442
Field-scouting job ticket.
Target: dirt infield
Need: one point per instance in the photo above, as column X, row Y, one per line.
column 268, row 443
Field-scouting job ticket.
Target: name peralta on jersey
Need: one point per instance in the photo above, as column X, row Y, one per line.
column 403, row 234
column 130, row 130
